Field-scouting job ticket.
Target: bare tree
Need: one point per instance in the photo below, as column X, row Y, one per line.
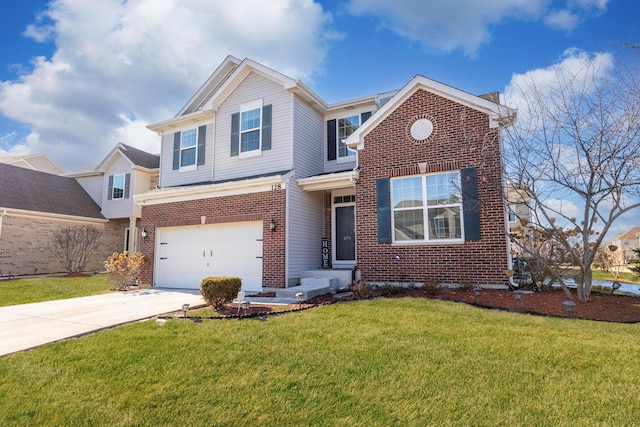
column 73, row 246
column 575, row 151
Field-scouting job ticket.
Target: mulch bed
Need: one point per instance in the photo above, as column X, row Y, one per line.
column 609, row 308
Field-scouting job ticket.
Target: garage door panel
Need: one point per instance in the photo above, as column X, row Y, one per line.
column 188, row 254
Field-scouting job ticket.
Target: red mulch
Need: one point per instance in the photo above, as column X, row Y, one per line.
column 610, row 308
column 75, row 274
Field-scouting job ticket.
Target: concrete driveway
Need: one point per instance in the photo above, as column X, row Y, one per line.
column 30, row 325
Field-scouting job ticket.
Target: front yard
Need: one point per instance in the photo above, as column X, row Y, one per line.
column 405, row 361
column 25, row 291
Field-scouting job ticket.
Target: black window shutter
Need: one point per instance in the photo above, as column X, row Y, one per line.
column 383, row 205
column 266, row 127
column 235, row 134
column 202, row 137
column 110, row 193
column 470, row 204
column 176, row 150
column 331, row 139
column 364, row 117
column 127, row 184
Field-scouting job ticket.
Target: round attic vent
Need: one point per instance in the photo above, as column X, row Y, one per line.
column 421, row 129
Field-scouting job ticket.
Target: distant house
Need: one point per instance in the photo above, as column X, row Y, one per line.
column 37, row 162
column 626, row 242
column 262, row 179
column 34, row 204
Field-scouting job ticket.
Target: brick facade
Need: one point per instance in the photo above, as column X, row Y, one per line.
column 462, row 138
column 25, row 241
column 244, row 207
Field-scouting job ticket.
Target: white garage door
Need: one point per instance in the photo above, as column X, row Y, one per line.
column 186, row 255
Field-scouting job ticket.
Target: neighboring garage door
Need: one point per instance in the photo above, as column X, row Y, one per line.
column 185, row 255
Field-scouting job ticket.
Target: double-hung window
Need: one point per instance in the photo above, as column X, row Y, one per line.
column 346, row 126
column 338, row 130
column 427, row 208
column 188, row 145
column 250, row 126
column 117, row 192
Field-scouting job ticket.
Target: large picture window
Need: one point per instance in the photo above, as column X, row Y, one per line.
column 427, row 207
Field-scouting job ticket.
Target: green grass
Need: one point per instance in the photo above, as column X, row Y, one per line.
column 24, row 291
column 382, row 362
column 624, row 276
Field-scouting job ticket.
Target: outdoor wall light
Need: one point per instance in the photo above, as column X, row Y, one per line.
column 272, row 225
column 568, row 307
column 143, row 233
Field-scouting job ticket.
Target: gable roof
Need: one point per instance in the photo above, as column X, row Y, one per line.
column 632, row 234
column 499, row 115
column 38, row 161
column 35, row 191
column 139, row 157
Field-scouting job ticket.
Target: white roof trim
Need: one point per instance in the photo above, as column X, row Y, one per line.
column 182, row 121
column 206, row 191
column 332, row 181
column 499, row 115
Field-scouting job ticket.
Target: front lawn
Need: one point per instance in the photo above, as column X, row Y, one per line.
column 382, row 362
column 24, row 291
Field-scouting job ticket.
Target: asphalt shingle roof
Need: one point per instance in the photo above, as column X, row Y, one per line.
column 31, row 190
column 141, row 158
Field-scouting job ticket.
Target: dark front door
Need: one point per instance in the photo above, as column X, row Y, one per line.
column 345, row 233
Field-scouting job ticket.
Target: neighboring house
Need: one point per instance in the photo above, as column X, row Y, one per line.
column 124, row 172
column 626, row 242
column 37, row 162
column 33, row 205
column 262, row 179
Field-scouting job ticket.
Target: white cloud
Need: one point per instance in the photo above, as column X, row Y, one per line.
column 119, row 65
column 447, row 25
column 562, row 20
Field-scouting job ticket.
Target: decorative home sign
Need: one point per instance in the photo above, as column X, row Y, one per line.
column 325, row 254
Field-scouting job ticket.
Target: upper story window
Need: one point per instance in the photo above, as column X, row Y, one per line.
column 117, row 191
column 338, row 130
column 512, row 213
column 427, row 207
column 189, row 148
column 119, row 186
column 251, row 130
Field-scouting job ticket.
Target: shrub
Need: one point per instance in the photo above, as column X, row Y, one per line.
column 431, row 286
column 123, row 269
column 219, row 291
column 465, row 285
column 360, row 289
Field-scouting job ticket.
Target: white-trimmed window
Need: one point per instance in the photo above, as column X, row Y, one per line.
column 117, row 192
column 250, row 128
column 345, row 127
column 433, row 200
column 512, row 213
column 188, row 148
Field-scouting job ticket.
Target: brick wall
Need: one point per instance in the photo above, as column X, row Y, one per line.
column 462, row 138
column 245, row 207
column 25, row 240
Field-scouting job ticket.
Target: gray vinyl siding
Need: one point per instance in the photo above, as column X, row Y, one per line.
column 278, row 158
column 307, row 139
column 173, row 178
column 340, row 164
column 304, row 230
column 120, row 208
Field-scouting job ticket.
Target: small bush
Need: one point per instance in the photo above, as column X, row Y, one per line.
column 431, row 286
column 465, row 285
column 123, row 268
column 219, row 291
column 360, row 289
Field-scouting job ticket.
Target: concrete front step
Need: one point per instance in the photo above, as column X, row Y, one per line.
column 308, row 291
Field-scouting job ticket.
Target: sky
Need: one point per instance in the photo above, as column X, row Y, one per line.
column 78, row 76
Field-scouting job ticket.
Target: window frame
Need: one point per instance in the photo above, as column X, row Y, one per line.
column 114, row 188
column 429, row 237
column 194, row 147
column 350, row 154
column 246, row 108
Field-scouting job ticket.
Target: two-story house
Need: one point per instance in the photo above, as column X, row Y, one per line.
column 37, row 199
column 262, row 179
